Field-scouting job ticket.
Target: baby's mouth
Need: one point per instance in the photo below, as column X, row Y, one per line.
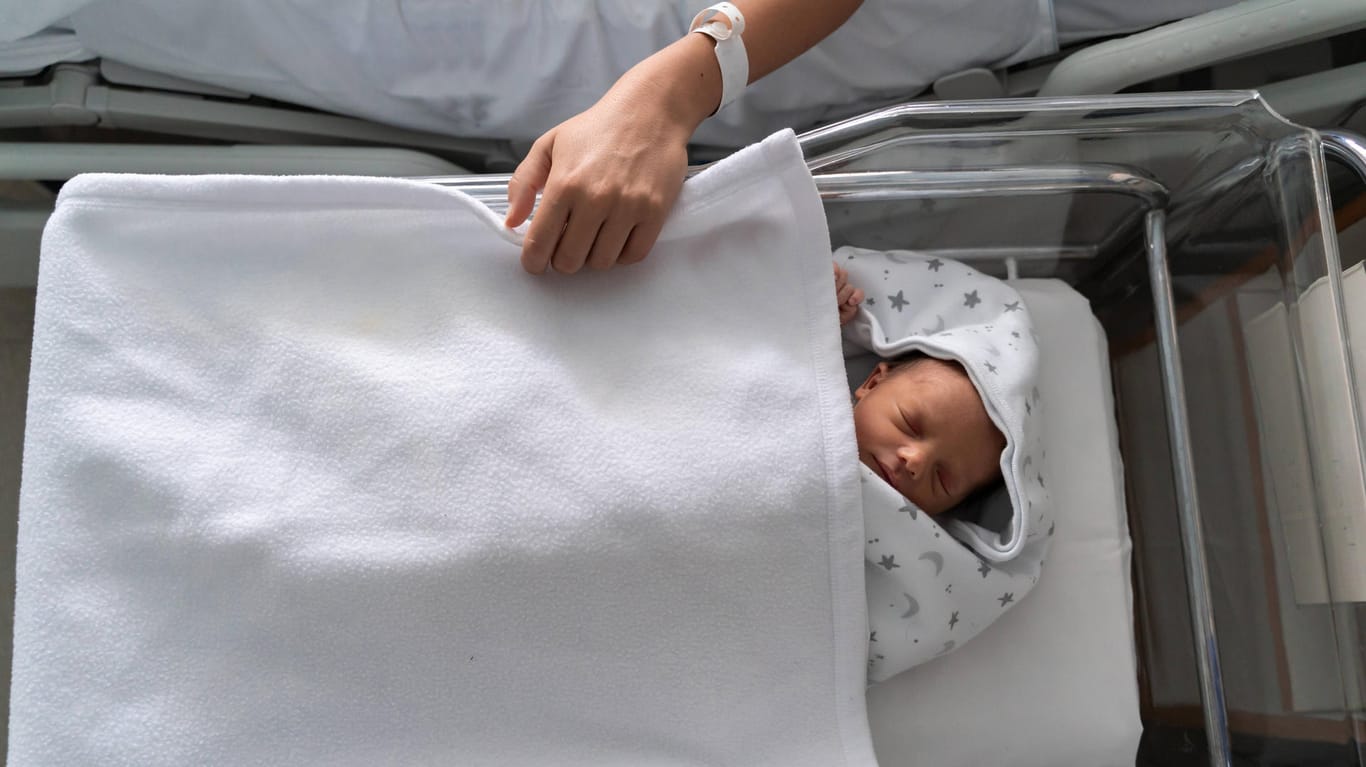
column 882, row 469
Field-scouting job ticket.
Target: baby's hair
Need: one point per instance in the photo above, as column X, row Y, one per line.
column 912, row 359
column 908, row 360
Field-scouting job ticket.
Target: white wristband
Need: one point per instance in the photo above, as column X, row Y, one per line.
column 724, row 23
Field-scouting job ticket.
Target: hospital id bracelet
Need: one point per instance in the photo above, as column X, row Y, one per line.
column 724, row 23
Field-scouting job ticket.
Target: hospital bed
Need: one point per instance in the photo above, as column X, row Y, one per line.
column 77, row 76
column 1178, row 253
column 239, row 73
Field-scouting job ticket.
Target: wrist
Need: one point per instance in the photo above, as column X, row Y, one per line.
column 682, row 81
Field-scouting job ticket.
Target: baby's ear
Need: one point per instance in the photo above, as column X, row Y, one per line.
column 876, row 377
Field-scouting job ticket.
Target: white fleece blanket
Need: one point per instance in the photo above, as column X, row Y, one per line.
column 315, row 473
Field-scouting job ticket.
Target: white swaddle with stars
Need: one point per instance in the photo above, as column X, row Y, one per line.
column 934, row 583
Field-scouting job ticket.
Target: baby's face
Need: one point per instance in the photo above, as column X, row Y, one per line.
column 924, row 430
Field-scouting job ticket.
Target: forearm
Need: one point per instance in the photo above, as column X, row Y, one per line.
column 778, row 31
column 687, row 79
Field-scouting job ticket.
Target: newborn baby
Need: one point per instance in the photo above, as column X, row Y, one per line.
column 948, row 436
column 921, row 426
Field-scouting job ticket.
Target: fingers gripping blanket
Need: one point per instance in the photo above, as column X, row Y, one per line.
column 314, row 473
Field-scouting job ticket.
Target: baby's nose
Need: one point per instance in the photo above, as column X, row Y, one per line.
column 914, row 459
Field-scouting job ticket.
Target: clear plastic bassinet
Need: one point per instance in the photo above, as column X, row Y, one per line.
column 1200, row 228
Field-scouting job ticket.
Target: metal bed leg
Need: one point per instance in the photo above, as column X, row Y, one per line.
column 1187, row 502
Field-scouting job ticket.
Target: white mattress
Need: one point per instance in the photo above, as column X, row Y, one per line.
column 1076, row 699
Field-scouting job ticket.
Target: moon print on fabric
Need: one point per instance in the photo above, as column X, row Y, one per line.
column 935, row 559
column 912, row 606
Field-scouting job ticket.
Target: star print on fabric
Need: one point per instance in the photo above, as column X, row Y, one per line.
column 1006, row 598
column 1050, row 527
column 1041, row 484
column 1028, row 410
column 909, row 509
column 1015, row 333
column 898, row 300
column 872, row 637
column 953, row 620
column 971, row 300
column 888, row 562
column 869, row 301
column 934, row 264
column 1013, row 306
column 990, row 367
column 984, row 569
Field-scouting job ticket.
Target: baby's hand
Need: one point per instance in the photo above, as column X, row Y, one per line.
column 847, row 296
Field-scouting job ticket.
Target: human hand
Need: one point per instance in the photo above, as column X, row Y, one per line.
column 610, row 176
column 847, row 296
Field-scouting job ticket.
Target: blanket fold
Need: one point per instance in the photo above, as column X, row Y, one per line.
column 314, row 473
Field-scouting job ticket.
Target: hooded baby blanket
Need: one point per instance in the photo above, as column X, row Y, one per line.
column 935, row 583
column 315, row 473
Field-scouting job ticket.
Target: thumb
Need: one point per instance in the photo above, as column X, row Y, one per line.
column 528, row 179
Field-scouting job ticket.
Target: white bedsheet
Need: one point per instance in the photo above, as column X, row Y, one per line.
column 1053, row 682
column 314, row 473
column 514, row 68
